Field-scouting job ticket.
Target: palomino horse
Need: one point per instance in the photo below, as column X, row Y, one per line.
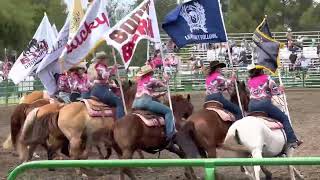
column 33, row 96
column 208, row 129
column 252, row 136
column 74, row 122
column 27, row 141
column 131, row 134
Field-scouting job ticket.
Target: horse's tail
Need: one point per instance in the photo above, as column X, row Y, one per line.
column 233, row 141
column 28, row 124
column 7, row 144
column 16, row 122
column 22, row 99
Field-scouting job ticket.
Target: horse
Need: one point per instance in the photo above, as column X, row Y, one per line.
column 33, row 96
column 73, row 122
column 208, row 129
column 28, row 144
column 251, row 136
column 17, row 120
column 131, row 133
column 26, row 99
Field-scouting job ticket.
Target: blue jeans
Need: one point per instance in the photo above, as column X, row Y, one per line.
column 233, row 108
column 146, row 103
column 85, row 95
column 275, row 113
column 65, row 97
column 105, row 95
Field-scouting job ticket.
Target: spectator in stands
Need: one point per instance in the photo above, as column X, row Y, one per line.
column 174, row 62
column 318, row 51
column 305, row 63
column 197, row 66
column 300, row 41
column 289, row 35
column 211, row 53
column 6, row 67
column 171, row 46
column 167, row 65
column 157, row 60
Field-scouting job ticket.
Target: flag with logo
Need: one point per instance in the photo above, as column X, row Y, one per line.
column 41, row 43
column 89, row 35
column 58, row 47
column 141, row 23
column 267, row 48
column 196, row 21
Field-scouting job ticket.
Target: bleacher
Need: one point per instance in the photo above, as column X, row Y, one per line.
column 185, row 81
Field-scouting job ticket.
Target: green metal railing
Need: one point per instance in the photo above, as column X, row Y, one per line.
column 209, row 164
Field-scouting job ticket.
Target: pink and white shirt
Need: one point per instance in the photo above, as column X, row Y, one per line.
column 263, row 87
column 216, row 83
column 80, row 83
column 64, row 83
column 146, row 86
column 103, row 73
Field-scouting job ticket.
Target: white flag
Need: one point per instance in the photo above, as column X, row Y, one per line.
column 38, row 47
column 93, row 27
column 55, row 30
column 58, row 47
column 141, row 23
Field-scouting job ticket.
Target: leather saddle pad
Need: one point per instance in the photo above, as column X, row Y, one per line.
column 271, row 123
column 149, row 119
column 97, row 109
column 215, row 104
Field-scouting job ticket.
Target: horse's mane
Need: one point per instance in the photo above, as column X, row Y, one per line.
column 177, row 97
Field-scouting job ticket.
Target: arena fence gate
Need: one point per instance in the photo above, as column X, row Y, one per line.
column 208, row 164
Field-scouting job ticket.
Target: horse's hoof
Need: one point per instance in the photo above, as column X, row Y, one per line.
column 35, row 155
column 51, row 169
column 269, row 177
column 150, row 170
column 84, row 176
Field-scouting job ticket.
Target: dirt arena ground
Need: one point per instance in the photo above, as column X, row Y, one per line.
column 304, row 107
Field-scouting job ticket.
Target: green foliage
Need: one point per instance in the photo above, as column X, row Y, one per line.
column 245, row 15
column 20, row 19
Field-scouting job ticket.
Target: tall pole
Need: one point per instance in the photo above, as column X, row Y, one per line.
column 284, row 96
column 120, row 83
column 236, row 84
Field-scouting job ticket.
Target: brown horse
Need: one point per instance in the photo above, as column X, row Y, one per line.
column 207, row 129
column 73, row 122
column 17, row 119
column 131, row 134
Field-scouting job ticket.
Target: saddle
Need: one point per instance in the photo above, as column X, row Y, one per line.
column 97, row 109
column 218, row 108
column 149, row 119
column 271, row 123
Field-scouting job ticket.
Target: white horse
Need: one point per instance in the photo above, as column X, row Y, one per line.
column 251, row 136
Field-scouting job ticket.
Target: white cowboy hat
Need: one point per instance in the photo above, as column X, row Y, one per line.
column 198, row 57
column 144, row 70
column 100, row 56
column 251, row 66
column 289, row 29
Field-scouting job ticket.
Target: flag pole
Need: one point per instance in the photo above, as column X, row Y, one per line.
column 120, row 83
column 162, row 57
column 230, row 58
column 236, row 84
column 284, row 96
column 148, row 49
